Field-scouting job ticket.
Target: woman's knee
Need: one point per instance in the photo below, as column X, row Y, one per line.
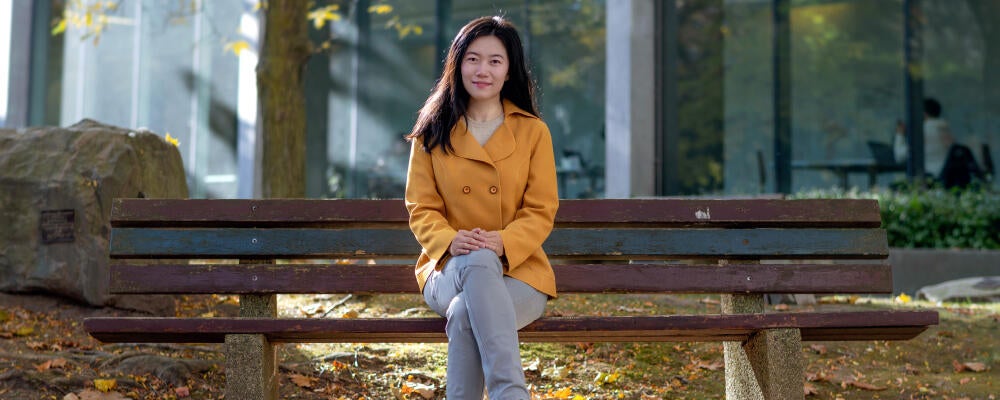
column 483, row 257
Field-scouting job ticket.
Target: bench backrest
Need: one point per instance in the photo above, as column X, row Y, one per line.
column 636, row 246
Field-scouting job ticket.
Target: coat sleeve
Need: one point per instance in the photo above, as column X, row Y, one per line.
column 534, row 220
column 425, row 205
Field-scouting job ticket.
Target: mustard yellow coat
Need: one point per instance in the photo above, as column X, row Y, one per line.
column 507, row 185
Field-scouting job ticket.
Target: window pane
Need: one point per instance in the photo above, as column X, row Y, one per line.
column 386, row 66
column 847, row 84
column 700, row 98
column 567, row 49
column 163, row 67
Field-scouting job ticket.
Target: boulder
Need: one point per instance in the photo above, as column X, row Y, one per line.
column 56, row 190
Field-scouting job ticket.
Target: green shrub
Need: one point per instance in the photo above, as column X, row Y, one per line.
column 933, row 218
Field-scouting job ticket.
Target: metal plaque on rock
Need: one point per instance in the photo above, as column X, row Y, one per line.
column 57, row 226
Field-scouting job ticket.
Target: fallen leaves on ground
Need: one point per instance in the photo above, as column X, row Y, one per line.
column 105, row 385
column 564, row 393
column 575, row 371
column 968, row 366
column 604, row 378
column 303, row 381
column 711, row 366
column 425, row 391
column 810, row 389
column 862, row 385
column 89, row 394
column 54, row 363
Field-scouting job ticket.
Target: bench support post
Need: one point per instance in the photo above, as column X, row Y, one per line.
column 251, row 368
column 251, row 360
column 769, row 365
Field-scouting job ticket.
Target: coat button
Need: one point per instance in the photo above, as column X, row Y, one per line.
column 493, row 189
column 466, row 190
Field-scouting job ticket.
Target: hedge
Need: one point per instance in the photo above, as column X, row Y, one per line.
column 933, row 218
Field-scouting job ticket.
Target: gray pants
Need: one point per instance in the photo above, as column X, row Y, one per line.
column 484, row 311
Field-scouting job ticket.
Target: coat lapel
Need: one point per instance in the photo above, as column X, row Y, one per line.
column 466, row 145
column 501, row 144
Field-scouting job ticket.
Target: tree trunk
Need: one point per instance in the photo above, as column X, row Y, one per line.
column 283, row 55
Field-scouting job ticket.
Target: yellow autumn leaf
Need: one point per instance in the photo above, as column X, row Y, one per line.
column 563, row 393
column 380, row 9
column 350, row 314
column 237, row 46
column 24, row 331
column 578, row 397
column 59, row 28
column 604, row 377
column 319, row 16
column 903, row 298
column 105, row 385
column 172, row 140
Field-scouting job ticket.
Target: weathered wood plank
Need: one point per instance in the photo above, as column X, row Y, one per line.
column 258, row 212
column 724, row 213
column 615, row 278
column 713, row 243
column 659, row 212
column 262, row 243
column 861, row 325
column 582, row 243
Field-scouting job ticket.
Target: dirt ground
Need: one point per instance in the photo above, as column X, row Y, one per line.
column 45, row 354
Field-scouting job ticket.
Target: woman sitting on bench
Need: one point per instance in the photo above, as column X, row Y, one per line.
column 482, row 195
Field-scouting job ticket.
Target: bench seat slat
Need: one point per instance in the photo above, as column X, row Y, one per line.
column 861, row 325
column 616, row 278
column 663, row 212
column 584, row 243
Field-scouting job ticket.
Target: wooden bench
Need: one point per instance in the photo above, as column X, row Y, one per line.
column 636, row 241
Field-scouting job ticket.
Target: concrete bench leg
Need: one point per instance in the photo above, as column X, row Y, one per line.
column 769, row 366
column 251, row 368
column 251, row 360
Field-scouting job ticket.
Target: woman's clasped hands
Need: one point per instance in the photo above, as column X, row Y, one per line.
column 475, row 239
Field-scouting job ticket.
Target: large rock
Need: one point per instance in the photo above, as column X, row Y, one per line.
column 56, row 187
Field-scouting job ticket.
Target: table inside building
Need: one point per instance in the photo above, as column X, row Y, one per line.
column 842, row 168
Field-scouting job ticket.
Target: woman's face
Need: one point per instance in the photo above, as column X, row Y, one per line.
column 484, row 69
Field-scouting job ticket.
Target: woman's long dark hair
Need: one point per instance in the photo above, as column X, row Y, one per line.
column 449, row 100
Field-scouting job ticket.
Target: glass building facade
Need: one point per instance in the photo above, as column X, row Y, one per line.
column 721, row 97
